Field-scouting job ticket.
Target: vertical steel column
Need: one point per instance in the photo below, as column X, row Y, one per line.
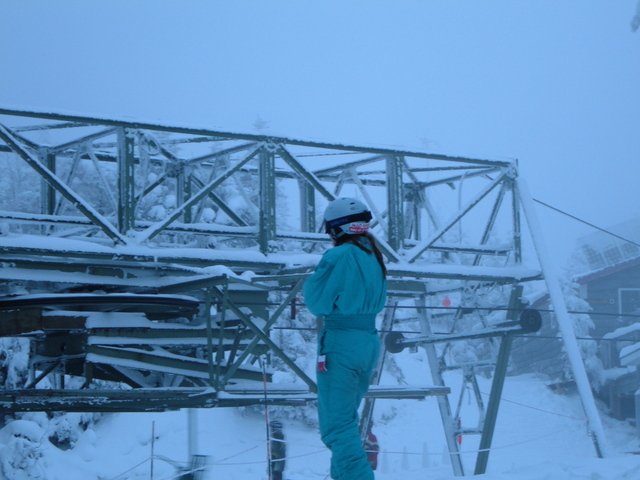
column 497, row 385
column 494, row 401
column 267, row 174
column 517, row 227
column 395, row 200
column 126, row 185
column 307, row 206
column 47, row 192
column 413, row 214
column 448, row 423
column 184, row 192
column 369, row 403
column 209, row 325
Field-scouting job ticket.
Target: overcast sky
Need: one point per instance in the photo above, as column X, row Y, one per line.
column 554, row 84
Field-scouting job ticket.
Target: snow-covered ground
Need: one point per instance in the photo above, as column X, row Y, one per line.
column 539, row 435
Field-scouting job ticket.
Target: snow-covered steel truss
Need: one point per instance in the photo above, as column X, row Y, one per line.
column 141, row 236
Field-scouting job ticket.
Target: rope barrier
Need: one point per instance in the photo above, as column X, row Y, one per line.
column 502, row 447
column 391, row 452
column 223, row 463
column 324, row 449
column 180, row 474
column 584, row 419
column 238, row 454
column 132, row 468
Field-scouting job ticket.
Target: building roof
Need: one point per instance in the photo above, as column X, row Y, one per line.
column 604, row 250
column 607, row 271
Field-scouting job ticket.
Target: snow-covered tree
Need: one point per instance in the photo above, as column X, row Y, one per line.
column 582, row 324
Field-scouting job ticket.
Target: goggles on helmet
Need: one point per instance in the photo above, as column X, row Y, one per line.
column 356, row 217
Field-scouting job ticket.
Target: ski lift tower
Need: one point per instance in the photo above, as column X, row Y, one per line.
column 156, row 255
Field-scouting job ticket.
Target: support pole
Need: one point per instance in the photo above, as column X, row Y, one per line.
column 494, row 402
column 126, row 185
column 307, row 206
column 564, row 321
column 207, row 316
column 435, row 366
column 48, row 193
column 499, row 375
column 267, row 222
column 366, row 415
column 395, row 202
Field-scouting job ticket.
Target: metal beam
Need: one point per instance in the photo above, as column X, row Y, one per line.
column 126, row 184
column 265, row 338
column 77, row 143
column 47, row 192
column 366, row 414
column 267, row 194
column 416, row 251
column 435, row 367
column 395, row 202
column 220, row 203
column 497, row 385
column 251, row 137
column 63, row 189
column 152, row 231
column 304, row 173
column 307, row 206
column 270, row 322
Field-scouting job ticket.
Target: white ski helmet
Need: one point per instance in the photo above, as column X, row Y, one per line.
column 346, row 216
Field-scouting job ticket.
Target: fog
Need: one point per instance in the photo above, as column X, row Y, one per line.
column 551, row 84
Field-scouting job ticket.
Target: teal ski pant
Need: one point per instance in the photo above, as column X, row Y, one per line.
column 351, row 355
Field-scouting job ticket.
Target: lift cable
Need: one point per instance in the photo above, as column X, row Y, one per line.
column 518, row 335
column 492, row 309
column 586, row 223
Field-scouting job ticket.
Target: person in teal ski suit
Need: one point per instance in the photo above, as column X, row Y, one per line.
column 348, row 288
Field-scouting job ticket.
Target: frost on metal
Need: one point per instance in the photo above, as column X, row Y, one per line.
column 234, row 221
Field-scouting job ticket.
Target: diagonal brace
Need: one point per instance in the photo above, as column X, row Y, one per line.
column 416, row 251
column 154, row 230
column 300, row 170
column 247, row 351
column 91, row 213
column 261, row 335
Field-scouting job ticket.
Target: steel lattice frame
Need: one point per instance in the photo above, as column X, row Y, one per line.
column 448, row 227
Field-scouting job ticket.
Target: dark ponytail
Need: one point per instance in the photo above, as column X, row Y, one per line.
column 355, row 240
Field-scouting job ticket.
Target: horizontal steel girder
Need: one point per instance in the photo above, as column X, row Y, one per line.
column 155, row 400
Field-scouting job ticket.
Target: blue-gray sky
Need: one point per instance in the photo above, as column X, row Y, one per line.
column 554, row 84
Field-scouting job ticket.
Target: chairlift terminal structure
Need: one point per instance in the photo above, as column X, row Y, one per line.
column 161, row 258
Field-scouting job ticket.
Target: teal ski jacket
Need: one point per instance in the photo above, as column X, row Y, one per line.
column 348, row 287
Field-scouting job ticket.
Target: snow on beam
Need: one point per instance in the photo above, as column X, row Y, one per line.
column 78, row 142
column 417, row 392
column 161, row 361
column 466, row 272
column 135, row 400
column 71, row 117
